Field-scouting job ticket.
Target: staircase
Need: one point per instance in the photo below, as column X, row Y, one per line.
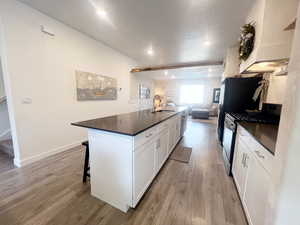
column 6, row 146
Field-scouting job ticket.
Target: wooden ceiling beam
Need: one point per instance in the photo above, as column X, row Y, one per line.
column 176, row 66
column 291, row 26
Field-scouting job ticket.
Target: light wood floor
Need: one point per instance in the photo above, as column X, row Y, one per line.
column 50, row 192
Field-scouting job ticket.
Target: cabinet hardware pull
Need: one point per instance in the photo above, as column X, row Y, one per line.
column 246, row 160
column 243, row 160
column 149, row 135
column 259, row 155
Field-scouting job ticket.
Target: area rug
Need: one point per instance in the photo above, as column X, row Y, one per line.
column 181, row 154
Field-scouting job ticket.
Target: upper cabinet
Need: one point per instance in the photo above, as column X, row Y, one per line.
column 273, row 42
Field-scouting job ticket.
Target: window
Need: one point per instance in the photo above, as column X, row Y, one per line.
column 191, row 94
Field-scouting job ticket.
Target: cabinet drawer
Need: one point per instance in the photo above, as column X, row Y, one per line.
column 145, row 136
column 143, row 170
column 262, row 155
column 256, row 197
column 162, row 126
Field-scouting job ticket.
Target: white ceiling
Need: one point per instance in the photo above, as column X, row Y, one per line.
column 192, row 73
column 177, row 30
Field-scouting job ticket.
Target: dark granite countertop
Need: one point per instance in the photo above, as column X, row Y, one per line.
column 265, row 134
column 129, row 123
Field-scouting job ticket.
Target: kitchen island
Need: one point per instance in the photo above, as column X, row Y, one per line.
column 128, row 150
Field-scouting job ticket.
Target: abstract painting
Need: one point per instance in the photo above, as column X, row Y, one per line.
column 92, row 86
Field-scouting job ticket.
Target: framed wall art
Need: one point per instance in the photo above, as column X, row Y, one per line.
column 92, row 86
column 216, row 96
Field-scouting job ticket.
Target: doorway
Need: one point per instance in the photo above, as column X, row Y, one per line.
column 6, row 144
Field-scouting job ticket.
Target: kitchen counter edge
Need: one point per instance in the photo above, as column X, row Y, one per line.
column 173, row 113
column 270, row 149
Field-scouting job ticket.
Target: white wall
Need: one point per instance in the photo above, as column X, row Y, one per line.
column 42, row 68
column 286, row 173
column 276, row 90
column 4, row 119
column 2, row 91
column 171, row 89
column 232, row 62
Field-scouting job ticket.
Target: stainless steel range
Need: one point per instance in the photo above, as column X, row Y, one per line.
column 229, row 141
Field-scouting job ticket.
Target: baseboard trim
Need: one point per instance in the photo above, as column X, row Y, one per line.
column 23, row 162
column 6, row 134
column 17, row 162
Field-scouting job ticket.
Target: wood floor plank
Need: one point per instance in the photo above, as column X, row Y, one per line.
column 6, row 162
column 50, row 192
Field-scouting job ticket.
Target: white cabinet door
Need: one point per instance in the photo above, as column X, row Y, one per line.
column 239, row 168
column 143, row 168
column 172, row 134
column 256, row 192
column 170, row 144
column 178, row 125
column 165, row 144
column 161, row 149
column 158, row 154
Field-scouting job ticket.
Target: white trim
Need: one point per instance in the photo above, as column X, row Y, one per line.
column 32, row 159
column 8, row 92
column 2, row 99
column 5, row 135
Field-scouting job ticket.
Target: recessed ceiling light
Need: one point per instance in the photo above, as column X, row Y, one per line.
column 166, row 72
column 209, row 69
column 150, row 51
column 207, row 43
column 102, row 13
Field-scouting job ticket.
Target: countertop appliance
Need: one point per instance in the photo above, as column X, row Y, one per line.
column 270, row 114
column 236, row 96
